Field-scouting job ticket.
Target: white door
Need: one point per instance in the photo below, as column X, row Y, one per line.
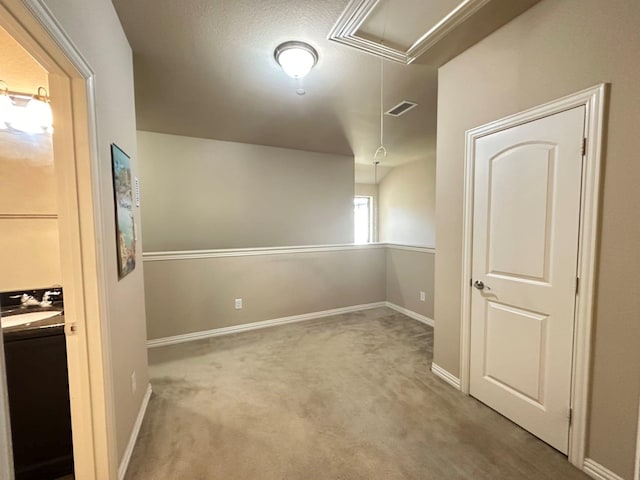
column 527, row 186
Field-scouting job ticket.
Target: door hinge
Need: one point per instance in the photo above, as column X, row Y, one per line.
column 584, row 146
column 577, row 284
column 570, row 415
column 471, row 282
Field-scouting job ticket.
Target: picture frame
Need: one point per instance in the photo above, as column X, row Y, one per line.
column 123, row 202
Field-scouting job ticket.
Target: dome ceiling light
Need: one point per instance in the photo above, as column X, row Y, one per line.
column 296, row 58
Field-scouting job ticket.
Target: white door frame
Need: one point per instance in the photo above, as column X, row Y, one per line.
column 593, row 99
column 71, row 84
column 6, row 457
column 636, row 475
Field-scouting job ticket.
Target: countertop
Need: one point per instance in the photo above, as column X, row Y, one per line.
column 48, row 326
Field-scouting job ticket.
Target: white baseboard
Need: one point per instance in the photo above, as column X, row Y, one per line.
column 216, row 332
column 597, row 471
column 411, row 314
column 126, row 458
column 636, row 475
column 446, row 376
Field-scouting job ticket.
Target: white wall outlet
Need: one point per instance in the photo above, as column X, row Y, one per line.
column 423, row 296
column 134, row 383
column 238, row 303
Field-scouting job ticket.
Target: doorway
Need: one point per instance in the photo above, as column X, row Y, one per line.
column 79, row 220
column 531, row 214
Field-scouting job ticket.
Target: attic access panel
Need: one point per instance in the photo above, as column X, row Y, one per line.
column 400, row 30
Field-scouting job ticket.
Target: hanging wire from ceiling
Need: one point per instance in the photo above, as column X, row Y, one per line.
column 381, row 152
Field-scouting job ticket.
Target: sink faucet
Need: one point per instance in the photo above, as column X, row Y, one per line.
column 46, row 298
column 26, row 300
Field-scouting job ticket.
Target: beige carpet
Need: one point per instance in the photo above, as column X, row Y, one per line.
column 347, row 397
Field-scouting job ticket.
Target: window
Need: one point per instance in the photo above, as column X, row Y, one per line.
column 362, row 219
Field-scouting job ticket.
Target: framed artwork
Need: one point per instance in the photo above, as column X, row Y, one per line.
column 125, row 226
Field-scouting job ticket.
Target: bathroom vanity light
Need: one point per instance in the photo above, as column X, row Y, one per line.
column 6, row 107
column 296, row 58
column 39, row 111
column 24, row 112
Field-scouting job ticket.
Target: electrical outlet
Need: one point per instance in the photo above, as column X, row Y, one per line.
column 134, row 384
column 423, row 296
column 238, row 303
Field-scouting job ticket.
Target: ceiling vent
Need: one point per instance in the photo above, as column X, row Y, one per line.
column 400, row 109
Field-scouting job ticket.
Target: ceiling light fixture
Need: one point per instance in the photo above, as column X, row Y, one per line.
column 296, row 58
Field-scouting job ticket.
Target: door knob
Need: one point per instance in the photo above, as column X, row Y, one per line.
column 479, row 284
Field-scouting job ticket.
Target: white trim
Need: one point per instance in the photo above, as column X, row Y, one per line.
column 441, row 373
column 93, row 415
column 44, row 15
column 411, row 248
column 345, row 30
column 133, row 438
column 636, row 475
column 597, row 471
column 249, row 252
column 593, row 99
column 410, row 314
column 245, row 327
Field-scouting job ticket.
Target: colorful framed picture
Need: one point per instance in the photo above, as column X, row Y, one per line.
column 125, row 225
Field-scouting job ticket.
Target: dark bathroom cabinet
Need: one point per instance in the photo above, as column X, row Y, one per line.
column 38, row 387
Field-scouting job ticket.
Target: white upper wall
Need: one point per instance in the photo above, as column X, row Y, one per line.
column 202, row 194
column 406, row 204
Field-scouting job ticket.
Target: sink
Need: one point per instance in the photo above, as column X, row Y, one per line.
column 25, row 318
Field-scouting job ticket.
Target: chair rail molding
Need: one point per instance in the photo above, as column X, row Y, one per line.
column 248, row 252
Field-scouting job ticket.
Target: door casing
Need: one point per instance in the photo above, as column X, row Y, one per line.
column 594, row 100
column 80, row 220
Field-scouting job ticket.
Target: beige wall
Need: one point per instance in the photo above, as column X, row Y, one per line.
column 197, row 294
column 554, row 49
column 29, row 253
column 407, row 204
column 207, row 194
column 192, row 295
column 94, row 28
column 20, row 71
column 29, row 250
column 408, row 274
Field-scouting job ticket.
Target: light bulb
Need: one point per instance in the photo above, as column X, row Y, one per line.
column 296, row 58
column 7, row 110
column 39, row 113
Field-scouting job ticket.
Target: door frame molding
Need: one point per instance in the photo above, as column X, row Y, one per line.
column 594, row 100
column 76, row 151
column 636, row 474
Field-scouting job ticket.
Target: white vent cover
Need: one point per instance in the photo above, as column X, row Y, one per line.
column 400, row 109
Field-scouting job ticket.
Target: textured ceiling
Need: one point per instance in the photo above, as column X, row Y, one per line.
column 205, row 68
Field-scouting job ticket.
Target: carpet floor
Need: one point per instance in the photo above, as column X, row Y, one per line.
column 346, row 397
